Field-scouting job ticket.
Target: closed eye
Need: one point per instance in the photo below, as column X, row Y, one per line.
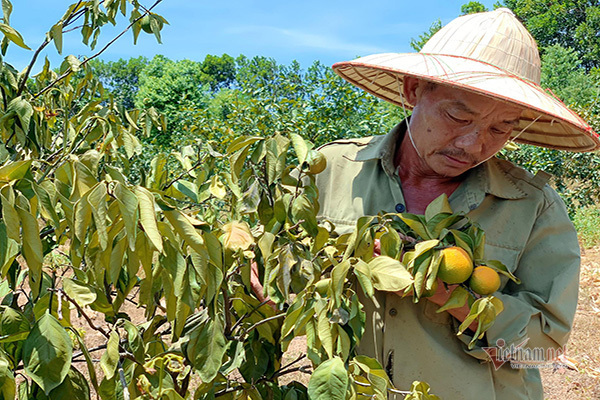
column 456, row 119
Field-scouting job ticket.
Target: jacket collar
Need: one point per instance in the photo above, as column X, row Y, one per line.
column 495, row 176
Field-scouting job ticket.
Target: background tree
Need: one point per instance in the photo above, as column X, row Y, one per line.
column 570, row 23
column 120, row 77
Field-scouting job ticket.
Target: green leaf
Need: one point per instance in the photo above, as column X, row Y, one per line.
column 391, row 244
column 74, row 387
column 417, row 224
column 329, row 381
column 88, row 358
column 97, row 200
column 389, row 275
column 363, row 273
column 48, row 206
column 206, row 349
column 57, row 35
column 7, row 8
column 7, row 380
column 20, row 108
column 82, row 293
column 242, row 142
column 237, row 236
column 303, row 211
column 185, row 229
column 463, row 240
column 148, row 217
column 83, row 218
column 14, row 170
column 457, row 299
column 338, row 278
column 32, row 245
column 13, row 35
column 501, row 269
column 438, row 206
column 265, row 244
column 110, row 358
column 9, row 249
column 301, row 147
column 440, row 222
column 128, row 205
column 420, row 391
column 47, row 353
column 376, row 375
column 10, row 217
column 425, row 246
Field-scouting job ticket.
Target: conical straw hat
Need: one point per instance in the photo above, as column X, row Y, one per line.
column 487, row 53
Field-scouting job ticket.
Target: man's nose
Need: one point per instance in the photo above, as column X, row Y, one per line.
column 471, row 142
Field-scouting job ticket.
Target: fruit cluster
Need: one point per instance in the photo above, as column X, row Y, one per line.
column 456, row 267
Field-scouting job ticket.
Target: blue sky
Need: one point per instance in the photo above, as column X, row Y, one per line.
column 328, row 31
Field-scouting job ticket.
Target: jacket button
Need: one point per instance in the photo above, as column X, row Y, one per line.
column 393, row 312
column 400, row 207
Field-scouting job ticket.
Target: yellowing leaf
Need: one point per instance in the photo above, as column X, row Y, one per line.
column 110, row 358
column 82, row 293
column 389, row 274
column 237, row 236
column 148, row 217
column 186, row 230
column 14, row 170
column 217, row 188
column 13, row 35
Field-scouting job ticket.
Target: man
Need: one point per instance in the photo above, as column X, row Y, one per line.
column 473, row 86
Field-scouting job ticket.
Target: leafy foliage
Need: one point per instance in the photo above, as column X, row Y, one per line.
column 91, row 221
column 575, row 175
column 569, row 23
column 120, row 78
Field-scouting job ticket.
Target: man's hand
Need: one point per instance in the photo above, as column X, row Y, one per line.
column 257, row 287
column 440, row 297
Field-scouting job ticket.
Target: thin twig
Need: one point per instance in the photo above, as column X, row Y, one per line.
column 80, row 310
column 69, row 70
column 184, row 173
column 42, row 46
column 93, row 349
column 259, row 323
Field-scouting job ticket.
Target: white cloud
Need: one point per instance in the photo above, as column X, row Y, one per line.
column 289, row 37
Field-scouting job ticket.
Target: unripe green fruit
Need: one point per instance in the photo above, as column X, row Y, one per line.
column 316, row 162
column 145, row 24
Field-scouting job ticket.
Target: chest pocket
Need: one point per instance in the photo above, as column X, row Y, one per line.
column 507, row 256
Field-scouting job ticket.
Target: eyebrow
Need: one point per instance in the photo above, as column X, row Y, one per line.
column 463, row 107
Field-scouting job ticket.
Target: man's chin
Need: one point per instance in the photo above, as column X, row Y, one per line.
column 452, row 168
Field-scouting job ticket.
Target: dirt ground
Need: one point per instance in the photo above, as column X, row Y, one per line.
column 581, row 381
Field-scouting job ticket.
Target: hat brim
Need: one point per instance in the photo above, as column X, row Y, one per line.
column 545, row 121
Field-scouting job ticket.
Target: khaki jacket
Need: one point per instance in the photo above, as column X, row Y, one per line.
column 527, row 228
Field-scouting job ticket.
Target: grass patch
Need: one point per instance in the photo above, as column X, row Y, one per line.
column 587, row 223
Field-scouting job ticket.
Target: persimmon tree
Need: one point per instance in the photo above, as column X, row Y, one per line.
column 81, row 234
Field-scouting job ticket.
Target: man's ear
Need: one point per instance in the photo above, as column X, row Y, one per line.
column 410, row 89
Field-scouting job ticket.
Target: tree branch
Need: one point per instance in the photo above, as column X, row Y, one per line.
column 43, row 45
column 69, row 70
column 80, row 310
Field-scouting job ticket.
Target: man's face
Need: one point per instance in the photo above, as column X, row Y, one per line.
column 454, row 130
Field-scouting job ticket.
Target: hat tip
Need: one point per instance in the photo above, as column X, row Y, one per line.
column 505, row 10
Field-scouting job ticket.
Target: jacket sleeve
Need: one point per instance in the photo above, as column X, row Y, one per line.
column 542, row 307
